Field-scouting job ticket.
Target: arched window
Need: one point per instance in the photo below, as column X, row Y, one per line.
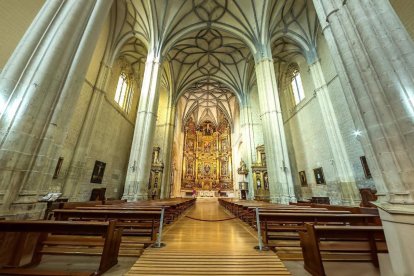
column 124, row 92
column 297, row 86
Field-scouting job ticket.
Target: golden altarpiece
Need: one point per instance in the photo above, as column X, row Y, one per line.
column 260, row 175
column 207, row 161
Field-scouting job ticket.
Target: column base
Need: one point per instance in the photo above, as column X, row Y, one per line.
column 24, row 211
column 350, row 193
column 282, row 199
column 398, row 223
column 137, row 197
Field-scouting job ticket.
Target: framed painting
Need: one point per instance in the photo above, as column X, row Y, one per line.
column 364, row 164
column 58, row 167
column 302, row 177
column 319, row 177
column 98, row 172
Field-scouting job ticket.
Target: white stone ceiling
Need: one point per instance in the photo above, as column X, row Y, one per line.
column 202, row 41
column 205, row 100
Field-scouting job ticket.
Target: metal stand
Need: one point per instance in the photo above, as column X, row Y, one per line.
column 260, row 247
column 159, row 244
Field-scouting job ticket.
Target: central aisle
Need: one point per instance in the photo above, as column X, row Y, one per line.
column 196, row 247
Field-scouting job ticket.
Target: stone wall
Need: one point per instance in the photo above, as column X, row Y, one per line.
column 109, row 134
column 404, row 10
column 256, row 121
column 308, row 141
column 15, row 18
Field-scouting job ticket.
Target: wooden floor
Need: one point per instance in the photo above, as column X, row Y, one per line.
column 196, row 247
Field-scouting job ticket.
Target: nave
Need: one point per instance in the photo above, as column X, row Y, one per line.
column 226, row 247
column 208, row 247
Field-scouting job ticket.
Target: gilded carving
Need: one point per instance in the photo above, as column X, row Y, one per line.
column 207, row 156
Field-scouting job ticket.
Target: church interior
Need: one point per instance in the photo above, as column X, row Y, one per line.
column 207, row 137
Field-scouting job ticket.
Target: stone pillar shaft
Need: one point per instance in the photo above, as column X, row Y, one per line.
column 83, row 144
column 374, row 57
column 40, row 84
column 350, row 193
column 136, row 185
column 377, row 57
column 167, row 147
column 278, row 165
column 248, row 141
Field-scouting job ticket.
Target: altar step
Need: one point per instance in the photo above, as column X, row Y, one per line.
column 161, row 262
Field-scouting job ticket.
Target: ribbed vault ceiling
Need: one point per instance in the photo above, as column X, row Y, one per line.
column 205, row 100
column 215, row 42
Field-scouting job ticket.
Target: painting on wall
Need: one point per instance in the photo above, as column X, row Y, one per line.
column 364, row 164
column 58, row 167
column 320, row 179
column 302, row 177
column 98, row 172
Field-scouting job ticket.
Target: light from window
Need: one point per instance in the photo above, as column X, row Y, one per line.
column 124, row 93
column 297, row 87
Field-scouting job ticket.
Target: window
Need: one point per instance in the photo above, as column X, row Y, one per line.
column 124, row 93
column 297, row 87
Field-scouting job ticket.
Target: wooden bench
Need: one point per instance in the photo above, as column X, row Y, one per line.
column 142, row 225
column 328, row 242
column 26, row 241
column 280, row 230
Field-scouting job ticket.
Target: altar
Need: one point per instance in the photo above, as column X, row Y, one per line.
column 203, row 193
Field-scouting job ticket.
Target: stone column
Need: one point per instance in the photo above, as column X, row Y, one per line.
column 374, row 57
column 136, row 184
column 248, row 141
column 167, row 147
column 277, row 159
column 38, row 88
column 349, row 190
column 78, row 163
column 376, row 64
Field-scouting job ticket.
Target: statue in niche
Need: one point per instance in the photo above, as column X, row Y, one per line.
column 243, row 168
column 207, row 169
column 224, row 168
column 207, row 147
column 191, row 127
column 208, row 131
column 259, row 184
column 263, row 157
column 190, row 144
column 190, row 168
column 266, row 181
column 224, row 145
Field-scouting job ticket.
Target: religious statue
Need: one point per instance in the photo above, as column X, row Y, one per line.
column 259, row 184
column 224, row 168
column 243, row 168
column 266, row 181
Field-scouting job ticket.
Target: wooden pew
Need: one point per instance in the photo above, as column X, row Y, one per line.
column 285, row 222
column 280, row 230
column 26, row 239
column 141, row 224
column 333, row 240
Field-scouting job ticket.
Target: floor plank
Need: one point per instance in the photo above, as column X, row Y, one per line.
column 195, row 247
